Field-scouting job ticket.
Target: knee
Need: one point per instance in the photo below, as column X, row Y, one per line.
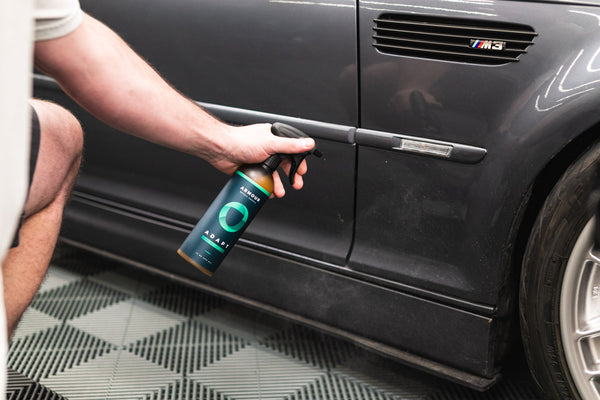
column 62, row 129
column 72, row 135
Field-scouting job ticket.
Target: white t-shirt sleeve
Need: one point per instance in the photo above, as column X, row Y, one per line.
column 56, row 18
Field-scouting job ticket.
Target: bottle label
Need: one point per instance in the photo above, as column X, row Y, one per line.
column 224, row 221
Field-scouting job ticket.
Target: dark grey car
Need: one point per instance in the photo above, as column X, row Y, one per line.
column 461, row 148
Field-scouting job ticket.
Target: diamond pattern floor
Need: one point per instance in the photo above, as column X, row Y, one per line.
column 100, row 330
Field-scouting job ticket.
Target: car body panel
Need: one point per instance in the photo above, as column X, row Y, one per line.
column 407, row 254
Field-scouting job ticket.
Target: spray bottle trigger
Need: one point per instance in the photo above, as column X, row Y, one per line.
column 284, row 130
column 295, row 161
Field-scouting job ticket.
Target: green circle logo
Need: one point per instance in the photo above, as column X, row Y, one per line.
column 239, row 207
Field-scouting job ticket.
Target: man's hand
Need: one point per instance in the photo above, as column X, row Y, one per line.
column 253, row 144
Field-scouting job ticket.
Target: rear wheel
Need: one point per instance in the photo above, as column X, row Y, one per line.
column 560, row 288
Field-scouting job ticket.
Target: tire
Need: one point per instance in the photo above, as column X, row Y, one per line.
column 560, row 288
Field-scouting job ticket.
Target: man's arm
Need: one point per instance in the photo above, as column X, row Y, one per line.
column 106, row 77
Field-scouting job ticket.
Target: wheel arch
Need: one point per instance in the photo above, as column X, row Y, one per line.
column 543, row 184
column 531, row 205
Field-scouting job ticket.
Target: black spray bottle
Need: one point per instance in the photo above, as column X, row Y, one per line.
column 236, row 205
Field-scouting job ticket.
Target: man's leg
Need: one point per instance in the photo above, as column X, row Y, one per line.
column 58, row 162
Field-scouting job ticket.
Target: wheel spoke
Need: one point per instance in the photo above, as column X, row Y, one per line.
column 588, row 296
column 594, row 255
column 589, row 345
column 593, row 378
column 593, row 329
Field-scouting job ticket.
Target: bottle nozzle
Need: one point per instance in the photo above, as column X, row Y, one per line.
column 284, row 130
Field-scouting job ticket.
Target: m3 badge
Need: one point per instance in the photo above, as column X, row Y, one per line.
column 487, row 44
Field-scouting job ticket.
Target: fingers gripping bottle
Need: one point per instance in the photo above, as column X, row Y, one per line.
column 236, row 205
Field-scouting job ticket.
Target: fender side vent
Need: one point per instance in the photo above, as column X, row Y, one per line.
column 452, row 39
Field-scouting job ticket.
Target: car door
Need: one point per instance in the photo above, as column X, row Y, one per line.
column 246, row 61
column 448, row 100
